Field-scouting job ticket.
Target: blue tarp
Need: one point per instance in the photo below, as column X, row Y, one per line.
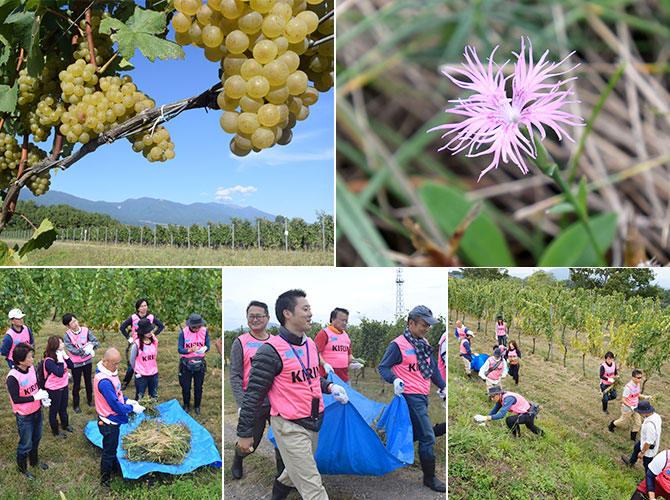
column 203, row 448
column 348, row 445
column 478, row 361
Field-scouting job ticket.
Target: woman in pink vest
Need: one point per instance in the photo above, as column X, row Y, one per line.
column 17, row 332
column 25, row 397
column 630, row 398
column 144, row 360
column 513, row 358
column 81, row 345
column 409, row 365
column 334, row 346
column 608, row 374
column 55, row 367
column 192, row 345
column 129, row 330
column 510, row 402
column 656, row 484
column 494, row 369
column 501, row 331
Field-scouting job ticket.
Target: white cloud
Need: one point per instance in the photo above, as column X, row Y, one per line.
column 225, row 193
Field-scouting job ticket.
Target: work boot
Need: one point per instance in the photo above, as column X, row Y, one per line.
column 279, row 462
column 124, row 384
column 605, row 409
column 611, row 426
column 59, row 435
column 77, row 409
column 23, row 469
column 186, row 407
column 35, row 462
column 626, row 460
column 197, row 410
column 429, row 479
column 280, row 491
column 633, row 436
column 105, row 478
column 69, row 428
column 440, row 429
column 236, row 469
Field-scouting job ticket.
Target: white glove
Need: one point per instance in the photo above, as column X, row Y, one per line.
column 138, row 408
column 480, row 418
column 610, row 380
column 131, row 402
column 327, row 368
column 130, row 340
column 481, row 424
column 398, row 386
column 339, row 394
column 88, row 349
column 442, row 393
column 202, row 350
column 59, row 356
column 41, row 394
column 46, row 402
column 355, row 365
column 238, row 411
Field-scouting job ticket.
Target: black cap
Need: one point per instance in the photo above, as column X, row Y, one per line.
column 144, row 326
column 644, row 407
column 195, row 320
column 496, row 389
column 497, row 353
column 424, row 313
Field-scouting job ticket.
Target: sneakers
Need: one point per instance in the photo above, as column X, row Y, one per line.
column 626, row 460
column 197, row 410
column 59, row 435
column 69, row 428
column 77, row 409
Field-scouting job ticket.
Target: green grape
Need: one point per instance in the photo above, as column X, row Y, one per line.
column 250, row 22
column 249, row 104
column 310, row 19
column 262, row 138
column 188, row 7
column 257, row 86
column 276, row 72
column 291, row 60
column 226, row 103
column 243, row 140
column 228, row 121
column 183, row 38
column 273, row 25
column 237, row 42
column 237, row 150
column 181, row 23
column 250, row 67
column 297, row 82
column 277, row 95
column 204, row 14
column 282, row 9
column 310, row 96
column 286, row 137
column 265, row 51
column 296, row 30
column 262, row 6
column 235, row 87
column 212, row 36
column 268, row 115
column 195, row 33
column 302, row 114
column 247, row 122
column 232, row 64
column 232, row 9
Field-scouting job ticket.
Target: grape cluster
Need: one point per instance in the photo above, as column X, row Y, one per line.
column 264, row 50
column 10, row 156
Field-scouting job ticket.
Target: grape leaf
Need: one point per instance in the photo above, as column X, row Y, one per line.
column 139, row 33
column 8, row 98
column 19, row 26
column 7, row 257
column 43, row 238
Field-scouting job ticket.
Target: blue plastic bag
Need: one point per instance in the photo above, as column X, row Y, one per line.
column 348, row 445
column 478, row 361
column 203, row 449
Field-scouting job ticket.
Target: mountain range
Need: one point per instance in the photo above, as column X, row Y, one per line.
column 151, row 211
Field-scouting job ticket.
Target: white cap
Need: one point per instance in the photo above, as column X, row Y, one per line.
column 16, row 314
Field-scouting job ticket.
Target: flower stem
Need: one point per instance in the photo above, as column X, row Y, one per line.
column 550, row 169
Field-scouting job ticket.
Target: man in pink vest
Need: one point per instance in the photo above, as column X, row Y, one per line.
column 25, row 397
column 460, row 330
column 241, row 355
column 112, row 408
column 494, row 369
column 409, row 365
column 510, row 402
column 17, row 332
column 656, row 484
column 630, row 398
column 334, row 346
column 466, row 353
column 285, row 369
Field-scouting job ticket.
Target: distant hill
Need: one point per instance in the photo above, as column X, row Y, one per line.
column 151, row 211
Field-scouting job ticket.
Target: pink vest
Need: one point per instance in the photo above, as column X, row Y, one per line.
column 192, row 339
column 290, row 395
column 336, row 350
column 521, row 405
column 23, row 336
column 634, row 396
column 53, row 382
column 408, row 369
column 135, row 320
column 440, row 363
column 513, row 357
column 501, row 329
column 101, row 405
column 250, row 345
column 79, row 340
column 609, row 373
column 497, row 373
column 27, row 387
column 463, row 350
column 146, row 359
column 461, row 332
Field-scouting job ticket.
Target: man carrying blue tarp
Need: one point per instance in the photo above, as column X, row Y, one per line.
column 286, row 369
column 409, row 365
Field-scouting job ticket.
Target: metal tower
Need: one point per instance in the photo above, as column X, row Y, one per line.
column 399, row 294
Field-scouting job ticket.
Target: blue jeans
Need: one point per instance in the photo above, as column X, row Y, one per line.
column 609, row 396
column 110, row 442
column 141, row 384
column 30, row 433
column 421, row 426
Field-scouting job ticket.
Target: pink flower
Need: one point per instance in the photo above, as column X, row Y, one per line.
column 493, row 120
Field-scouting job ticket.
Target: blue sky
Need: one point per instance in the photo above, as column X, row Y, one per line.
column 293, row 180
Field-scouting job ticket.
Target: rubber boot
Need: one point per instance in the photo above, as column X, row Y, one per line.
column 429, row 479
column 236, row 469
column 280, row 491
column 23, row 469
column 605, row 409
column 440, row 429
column 105, row 477
column 611, row 426
column 633, row 436
column 35, row 462
column 279, row 462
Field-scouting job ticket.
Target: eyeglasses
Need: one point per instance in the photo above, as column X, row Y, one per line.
column 253, row 317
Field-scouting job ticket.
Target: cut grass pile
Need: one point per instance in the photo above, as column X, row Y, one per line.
column 157, row 442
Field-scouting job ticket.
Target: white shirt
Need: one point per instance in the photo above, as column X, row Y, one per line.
column 658, row 463
column 651, row 433
column 487, row 364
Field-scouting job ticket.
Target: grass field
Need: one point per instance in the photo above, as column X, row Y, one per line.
column 98, row 254
column 261, row 470
column 74, row 463
column 577, row 459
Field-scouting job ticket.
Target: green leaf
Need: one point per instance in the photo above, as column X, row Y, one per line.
column 43, row 238
column 6, row 255
column 581, row 195
column 8, row 98
column 573, row 248
column 20, row 25
column 139, row 33
column 483, row 244
column 561, row 208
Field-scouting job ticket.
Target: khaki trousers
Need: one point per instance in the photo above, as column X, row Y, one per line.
column 466, row 363
column 626, row 415
column 297, row 446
